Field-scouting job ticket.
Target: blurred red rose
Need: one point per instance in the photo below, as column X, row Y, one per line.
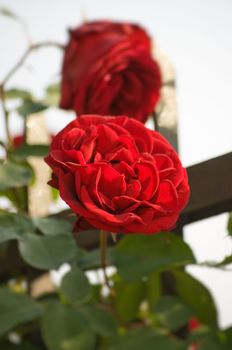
column 193, row 324
column 117, row 175
column 108, row 69
column 17, row 141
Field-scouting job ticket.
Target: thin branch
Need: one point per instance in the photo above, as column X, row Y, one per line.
column 5, row 114
column 11, row 73
column 26, row 54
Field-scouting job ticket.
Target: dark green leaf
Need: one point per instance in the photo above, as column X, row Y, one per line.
column 96, row 293
column 75, row 287
column 206, row 339
column 197, row 297
column 13, row 226
column 60, row 324
column 227, row 338
column 30, row 151
column 14, row 175
column 229, row 224
column 92, row 260
column 29, row 107
column 52, row 95
column 52, row 226
column 137, row 255
column 147, row 339
column 16, row 309
column 15, row 93
column 101, row 321
column 47, row 252
column 153, row 288
column 9, row 346
column 128, row 298
column 172, row 313
column 83, row 341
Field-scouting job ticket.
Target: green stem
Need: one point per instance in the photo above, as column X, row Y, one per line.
column 103, row 255
column 6, row 115
column 155, row 120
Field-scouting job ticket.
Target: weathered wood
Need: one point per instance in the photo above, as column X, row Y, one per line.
column 211, row 189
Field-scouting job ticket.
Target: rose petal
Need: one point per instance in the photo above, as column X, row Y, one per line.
column 149, row 179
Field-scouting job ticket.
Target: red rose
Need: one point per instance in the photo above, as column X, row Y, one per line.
column 18, row 141
column 193, row 324
column 117, row 175
column 108, row 69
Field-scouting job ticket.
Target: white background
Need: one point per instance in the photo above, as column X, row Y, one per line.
column 196, row 35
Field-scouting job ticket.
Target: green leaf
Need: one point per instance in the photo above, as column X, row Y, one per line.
column 101, row 321
column 138, row 255
column 147, row 339
column 128, row 299
column 60, row 324
column 52, row 226
column 8, row 13
column 52, row 96
column 197, row 297
column 15, row 93
column 55, row 194
column 83, row 341
column 227, row 338
column 29, row 107
column 14, row 176
column 13, row 226
column 153, row 288
column 226, row 261
column 30, row 151
column 75, row 287
column 206, row 339
column 16, row 309
column 47, row 252
column 172, row 313
column 92, row 259
column 10, row 346
column 229, row 224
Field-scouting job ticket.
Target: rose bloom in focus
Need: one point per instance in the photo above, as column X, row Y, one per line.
column 108, row 69
column 117, row 175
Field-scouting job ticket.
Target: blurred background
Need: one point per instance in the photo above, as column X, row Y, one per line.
column 196, row 36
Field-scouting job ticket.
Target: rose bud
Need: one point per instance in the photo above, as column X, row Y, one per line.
column 108, row 69
column 117, row 175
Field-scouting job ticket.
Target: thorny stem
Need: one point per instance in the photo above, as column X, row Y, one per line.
column 103, row 248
